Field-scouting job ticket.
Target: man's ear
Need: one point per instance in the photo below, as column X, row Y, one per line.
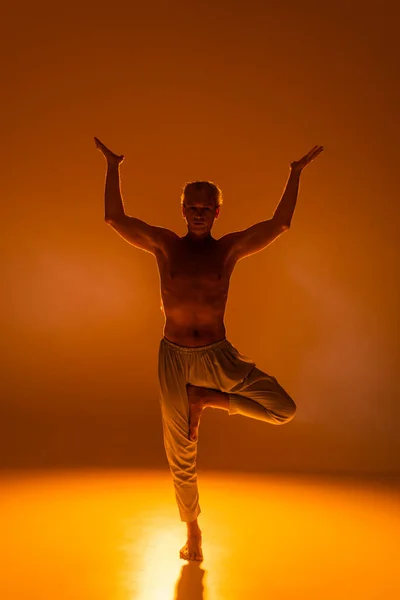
column 217, row 213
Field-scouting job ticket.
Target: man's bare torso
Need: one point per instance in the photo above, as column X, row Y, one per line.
column 194, row 288
column 195, row 272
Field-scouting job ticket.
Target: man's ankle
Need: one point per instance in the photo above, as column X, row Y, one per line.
column 193, row 528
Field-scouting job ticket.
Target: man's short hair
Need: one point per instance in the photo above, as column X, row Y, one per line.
column 212, row 190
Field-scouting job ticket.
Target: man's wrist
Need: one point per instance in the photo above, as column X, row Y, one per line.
column 295, row 170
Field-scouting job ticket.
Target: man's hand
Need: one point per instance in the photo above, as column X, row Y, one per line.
column 109, row 156
column 298, row 165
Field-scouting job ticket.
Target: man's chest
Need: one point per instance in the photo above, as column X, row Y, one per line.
column 193, row 268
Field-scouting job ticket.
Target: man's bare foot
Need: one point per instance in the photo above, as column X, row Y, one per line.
column 196, row 397
column 110, row 156
column 192, row 549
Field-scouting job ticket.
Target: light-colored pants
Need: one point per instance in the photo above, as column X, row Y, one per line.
column 218, row 366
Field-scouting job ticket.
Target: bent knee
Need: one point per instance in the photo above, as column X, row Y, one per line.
column 288, row 412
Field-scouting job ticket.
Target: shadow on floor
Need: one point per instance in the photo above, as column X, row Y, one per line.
column 190, row 585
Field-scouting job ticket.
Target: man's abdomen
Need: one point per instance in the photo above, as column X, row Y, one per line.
column 194, row 315
column 194, row 333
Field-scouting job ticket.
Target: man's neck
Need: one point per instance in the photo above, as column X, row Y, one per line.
column 198, row 239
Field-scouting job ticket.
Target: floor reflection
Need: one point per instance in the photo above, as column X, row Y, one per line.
column 190, row 585
column 99, row 535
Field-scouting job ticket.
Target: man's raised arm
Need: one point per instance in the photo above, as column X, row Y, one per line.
column 114, row 208
column 134, row 231
column 284, row 211
column 259, row 236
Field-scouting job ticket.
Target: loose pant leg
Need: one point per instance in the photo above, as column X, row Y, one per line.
column 259, row 396
column 181, row 452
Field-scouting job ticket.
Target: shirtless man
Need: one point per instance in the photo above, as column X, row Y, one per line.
column 197, row 365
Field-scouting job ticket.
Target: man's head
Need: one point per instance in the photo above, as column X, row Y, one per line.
column 201, row 201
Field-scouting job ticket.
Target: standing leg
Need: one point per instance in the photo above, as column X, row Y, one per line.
column 181, row 452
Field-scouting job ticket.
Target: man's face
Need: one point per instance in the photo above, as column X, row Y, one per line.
column 199, row 212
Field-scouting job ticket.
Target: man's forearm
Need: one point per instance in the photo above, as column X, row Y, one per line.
column 284, row 211
column 114, row 207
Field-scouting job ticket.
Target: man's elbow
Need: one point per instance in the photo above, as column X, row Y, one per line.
column 282, row 226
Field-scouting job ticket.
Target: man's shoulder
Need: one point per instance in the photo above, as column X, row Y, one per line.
column 228, row 237
column 229, row 240
column 166, row 236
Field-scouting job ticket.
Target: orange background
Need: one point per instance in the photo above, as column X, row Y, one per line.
column 226, row 91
